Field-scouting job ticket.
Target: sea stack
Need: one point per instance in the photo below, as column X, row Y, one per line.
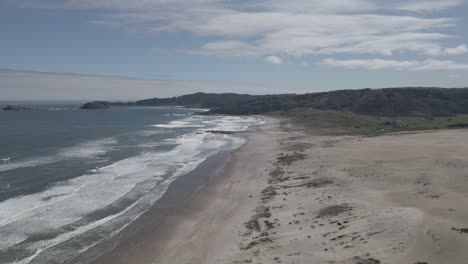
column 16, row 108
column 96, row 105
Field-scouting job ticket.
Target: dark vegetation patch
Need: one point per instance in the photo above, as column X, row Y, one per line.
column 458, row 125
column 360, row 260
column 460, row 230
column 333, row 210
column 347, row 123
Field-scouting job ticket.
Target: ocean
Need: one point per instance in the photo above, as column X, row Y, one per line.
column 71, row 178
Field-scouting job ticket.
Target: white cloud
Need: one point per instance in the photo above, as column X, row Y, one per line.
column 379, row 64
column 274, row 60
column 429, row 5
column 437, row 65
column 294, row 28
column 462, row 49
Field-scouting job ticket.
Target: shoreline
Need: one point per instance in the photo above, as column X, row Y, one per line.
column 176, row 198
column 292, row 196
column 154, row 231
column 178, row 193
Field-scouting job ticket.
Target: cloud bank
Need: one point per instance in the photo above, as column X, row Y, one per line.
column 276, row 29
column 297, row 27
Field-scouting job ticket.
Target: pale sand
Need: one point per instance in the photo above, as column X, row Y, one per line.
column 291, row 197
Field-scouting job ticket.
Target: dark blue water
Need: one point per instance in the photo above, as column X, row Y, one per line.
column 66, row 143
column 69, row 177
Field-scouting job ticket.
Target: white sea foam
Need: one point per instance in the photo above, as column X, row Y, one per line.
column 26, row 163
column 154, row 144
column 149, row 173
column 88, row 149
column 197, row 109
column 224, row 123
column 189, row 122
column 178, row 124
column 61, row 109
column 5, row 159
column 232, row 123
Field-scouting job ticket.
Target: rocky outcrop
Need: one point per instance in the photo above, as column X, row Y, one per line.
column 96, row 105
column 16, row 108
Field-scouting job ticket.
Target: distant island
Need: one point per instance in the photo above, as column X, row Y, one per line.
column 16, row 108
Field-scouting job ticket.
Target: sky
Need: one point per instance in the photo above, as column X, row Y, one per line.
column 124, row 49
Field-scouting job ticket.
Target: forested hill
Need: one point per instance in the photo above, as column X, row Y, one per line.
column 376, row 102
column 205, row 100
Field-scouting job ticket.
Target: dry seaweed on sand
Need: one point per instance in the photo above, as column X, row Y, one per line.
column 317, row 183
column 268, row 193
column 288, row 159
column 257, row 242
column 260, row 212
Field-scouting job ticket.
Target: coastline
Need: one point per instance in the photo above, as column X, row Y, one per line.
column 178, row 193
column 214, row 204
column 292, row 196
column 176, row 201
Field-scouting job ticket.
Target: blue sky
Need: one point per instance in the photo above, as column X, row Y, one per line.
column 258, row 46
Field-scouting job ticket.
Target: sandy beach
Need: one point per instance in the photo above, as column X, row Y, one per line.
column 292, row 196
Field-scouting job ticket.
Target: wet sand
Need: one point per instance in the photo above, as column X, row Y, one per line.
column 289, row 196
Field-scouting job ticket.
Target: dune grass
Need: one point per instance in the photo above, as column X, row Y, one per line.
column 347, row 123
